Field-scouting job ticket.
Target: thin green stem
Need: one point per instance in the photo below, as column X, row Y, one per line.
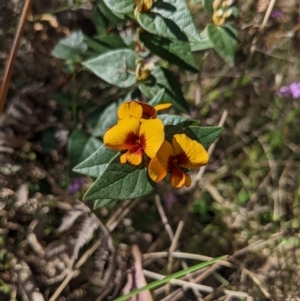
column 74, row 98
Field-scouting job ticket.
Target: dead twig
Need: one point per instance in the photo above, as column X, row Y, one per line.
column 208, row 271
column 186, row 284
column 171, row 236
column 13, row 54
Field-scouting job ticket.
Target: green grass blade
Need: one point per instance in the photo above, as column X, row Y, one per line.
column 160, row 282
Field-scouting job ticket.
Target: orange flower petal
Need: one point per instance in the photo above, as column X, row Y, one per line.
column 158, row 166
column 147, row 5
column 135, row 155
column 188, row 180
column 151, row 136
column 178, row 177
column 123, row 135
column 123, row 158
column 189, row 153
column 162, row 106
column 131, row 108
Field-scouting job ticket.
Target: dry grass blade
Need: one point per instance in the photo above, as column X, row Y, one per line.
column 163, row 217
column 262, row 5
column 186, row 284
column 183, row 255
column 173, row 240
column 259, row 283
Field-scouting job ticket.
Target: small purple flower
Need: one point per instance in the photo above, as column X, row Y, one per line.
column 76, row 184
column 292, row 90
column 285, row 91
column 277, row 13
column 170, row 198
column 295, row 90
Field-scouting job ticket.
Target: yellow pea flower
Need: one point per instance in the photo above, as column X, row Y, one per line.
column 140, row 109
column 183, row 152
column 136, row 137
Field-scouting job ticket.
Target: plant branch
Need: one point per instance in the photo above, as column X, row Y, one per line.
column 13, row 54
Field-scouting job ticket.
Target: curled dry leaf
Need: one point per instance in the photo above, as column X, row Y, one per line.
column 85, row 234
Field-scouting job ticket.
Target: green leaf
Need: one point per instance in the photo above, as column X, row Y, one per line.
column 168, row 119
column 104, row 203
column 100, row 22
column 103, row 44
column 120, row 6
column 158, row 25
column 112, row 17
column 151, row 89
column 208, row 6
column 121, row 181
column 70, row 48
column 112, row 41
column 178, row 12
column 106, row 119
column 168, row 278
column 96, row 46
column 132, row 95
column 116, row 67
column 166, row 79
column 203, row 45
column 92, row 116
column 176, row 52
column 96, row 163
column 81, row 146
column 205, row 135
column 158, row 97
column 232, row 30
column 171, row 130
column 223, row 41
column 234, row 12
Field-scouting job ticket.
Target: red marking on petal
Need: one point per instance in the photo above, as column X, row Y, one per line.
column 170, row 163
column 143, row 141
column 177, row 176
column 135, row 149
column 182, row 158
column 130, row 139
column 148, row 111
column 135, row 155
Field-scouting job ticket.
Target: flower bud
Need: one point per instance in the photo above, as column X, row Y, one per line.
column 228, row 3
column 142, row 71
column 217, row 4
